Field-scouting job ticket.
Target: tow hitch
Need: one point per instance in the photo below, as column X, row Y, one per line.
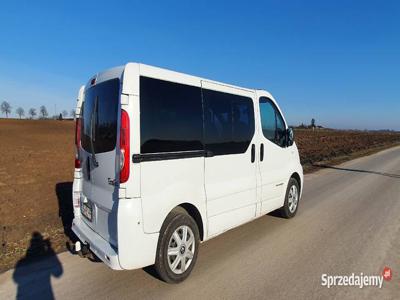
column 82, row 249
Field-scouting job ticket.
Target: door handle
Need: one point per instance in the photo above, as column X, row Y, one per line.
column 261, row 152
column 253, row 153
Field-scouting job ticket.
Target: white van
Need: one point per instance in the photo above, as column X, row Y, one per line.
column 166, row 160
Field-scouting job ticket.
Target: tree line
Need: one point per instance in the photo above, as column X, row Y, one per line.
column 32, row 112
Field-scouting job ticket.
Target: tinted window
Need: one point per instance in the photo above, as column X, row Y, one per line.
column 272, row 123
column 171, row 116
column 280, row 129
column 99, row 117
column 228, row 122
column 268, row 120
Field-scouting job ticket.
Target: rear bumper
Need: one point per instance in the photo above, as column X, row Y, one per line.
column 100, row 247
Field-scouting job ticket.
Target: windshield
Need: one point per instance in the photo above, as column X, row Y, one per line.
column 100, row 117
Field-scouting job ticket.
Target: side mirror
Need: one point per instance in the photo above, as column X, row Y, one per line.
column 290, row 136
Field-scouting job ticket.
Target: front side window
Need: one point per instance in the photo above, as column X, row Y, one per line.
column 171, row 116
column 272, row 123
column 228, row 122
column 100, row 117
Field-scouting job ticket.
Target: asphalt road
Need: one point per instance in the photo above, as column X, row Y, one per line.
column 348, row 222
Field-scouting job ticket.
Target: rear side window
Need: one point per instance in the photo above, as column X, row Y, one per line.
column 273, row 126
column 100, row 117
column 228, row 122
column 171, row 116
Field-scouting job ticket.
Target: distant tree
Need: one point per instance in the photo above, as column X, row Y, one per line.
column 302, row 126
column 20, row 112
column 60, row 117
column 43, row 112
column 32, row 112
column 64, row 114
column 6, row 108
column 72, row 113
column 313, row 123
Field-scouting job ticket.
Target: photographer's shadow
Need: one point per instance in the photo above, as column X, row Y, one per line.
column 34, row 280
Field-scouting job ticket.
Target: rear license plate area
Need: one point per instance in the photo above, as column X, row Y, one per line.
column 87, row 209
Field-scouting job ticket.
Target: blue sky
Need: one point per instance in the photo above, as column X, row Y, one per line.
column 335, row 61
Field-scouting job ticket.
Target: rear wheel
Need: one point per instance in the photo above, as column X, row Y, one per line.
column 178, row 246
column 292, row 197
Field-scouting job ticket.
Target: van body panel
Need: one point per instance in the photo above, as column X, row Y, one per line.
column 130, row 103
column 79, row 101
column 135, row 248
column 167, row 184
column 229, row 220
column 130, row 79
column 168, row 75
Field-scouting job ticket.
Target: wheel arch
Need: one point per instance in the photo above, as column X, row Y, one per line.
column 296, row 176
column 194, row 212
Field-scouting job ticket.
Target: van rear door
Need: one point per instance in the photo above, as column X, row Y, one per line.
column 99, row 159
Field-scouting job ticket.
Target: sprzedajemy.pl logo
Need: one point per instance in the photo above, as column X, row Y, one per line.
column 360, row 280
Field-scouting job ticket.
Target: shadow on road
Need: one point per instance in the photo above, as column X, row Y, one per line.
column 30, row 281
column 277, row 214
column 357, row 170
column 65, row 208
column 151, row 270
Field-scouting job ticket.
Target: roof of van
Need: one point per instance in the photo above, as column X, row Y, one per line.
column 119, row 71
column 193, row 76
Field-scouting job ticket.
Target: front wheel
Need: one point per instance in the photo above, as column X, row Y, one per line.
column 292, row 197
column 178, row 246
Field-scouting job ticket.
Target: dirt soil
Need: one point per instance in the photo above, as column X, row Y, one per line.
column 36, row 173
column 321, row 147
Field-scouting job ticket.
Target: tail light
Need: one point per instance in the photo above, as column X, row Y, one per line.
column 77, row 142
column 124, row 147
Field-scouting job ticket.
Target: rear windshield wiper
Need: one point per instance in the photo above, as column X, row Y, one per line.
column 93, row 122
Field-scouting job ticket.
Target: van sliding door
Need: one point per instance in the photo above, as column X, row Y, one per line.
column 230, row 164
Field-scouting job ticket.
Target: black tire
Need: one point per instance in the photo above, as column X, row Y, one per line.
column 286, row 210
column 175, row 220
